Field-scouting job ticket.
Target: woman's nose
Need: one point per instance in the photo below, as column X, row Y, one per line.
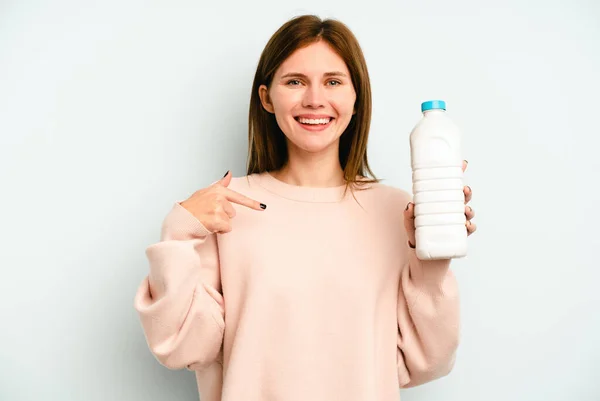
column 314, row 97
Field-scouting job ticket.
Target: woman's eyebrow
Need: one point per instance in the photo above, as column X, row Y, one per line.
column 335, row 74
column 300, row 75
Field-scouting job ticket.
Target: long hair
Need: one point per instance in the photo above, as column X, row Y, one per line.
column 267, row 145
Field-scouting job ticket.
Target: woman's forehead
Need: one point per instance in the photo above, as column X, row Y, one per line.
column 317, row 59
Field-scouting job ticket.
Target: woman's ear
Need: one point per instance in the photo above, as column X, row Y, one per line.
column 263, row 93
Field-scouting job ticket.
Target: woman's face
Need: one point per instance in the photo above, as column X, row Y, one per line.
column 312, row 97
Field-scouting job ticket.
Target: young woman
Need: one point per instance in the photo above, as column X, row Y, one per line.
column 300, row 280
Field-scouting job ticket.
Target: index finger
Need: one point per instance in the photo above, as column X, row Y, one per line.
column 243, row 200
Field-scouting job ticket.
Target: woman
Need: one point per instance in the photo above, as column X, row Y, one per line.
column 300, row 281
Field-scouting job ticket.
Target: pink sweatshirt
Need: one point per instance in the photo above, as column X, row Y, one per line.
column 315, row 298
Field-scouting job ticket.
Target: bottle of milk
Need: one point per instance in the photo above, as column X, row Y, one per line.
column 437, row 177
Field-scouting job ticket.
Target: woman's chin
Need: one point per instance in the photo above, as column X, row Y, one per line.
column 315, row 144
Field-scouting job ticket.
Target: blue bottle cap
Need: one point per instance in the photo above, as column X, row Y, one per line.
column 433, row 104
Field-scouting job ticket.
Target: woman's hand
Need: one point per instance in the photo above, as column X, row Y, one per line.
column 409, row 214
column 212, row 205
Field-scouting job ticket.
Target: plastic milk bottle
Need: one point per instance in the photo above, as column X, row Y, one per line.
column 437, row 177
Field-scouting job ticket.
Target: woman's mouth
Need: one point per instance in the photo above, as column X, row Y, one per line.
column 314, row 124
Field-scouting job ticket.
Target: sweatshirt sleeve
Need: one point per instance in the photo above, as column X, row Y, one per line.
column 428, row 320
column 179, row 302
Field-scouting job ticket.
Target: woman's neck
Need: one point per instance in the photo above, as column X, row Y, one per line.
column 314, row 171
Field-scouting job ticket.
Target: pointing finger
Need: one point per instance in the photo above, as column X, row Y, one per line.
column 243, row 200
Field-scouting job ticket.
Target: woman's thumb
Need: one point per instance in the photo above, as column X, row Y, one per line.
column 226, row 178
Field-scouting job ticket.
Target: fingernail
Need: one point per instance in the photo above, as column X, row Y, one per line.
column 470, row 190
column 466, row 161
column 263, row 206
column 407, row 205
column 226, row 174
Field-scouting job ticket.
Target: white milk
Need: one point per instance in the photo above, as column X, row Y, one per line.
column 435, row 145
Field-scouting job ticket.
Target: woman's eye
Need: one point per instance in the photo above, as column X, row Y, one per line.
column 293, row 82
column 334, row 83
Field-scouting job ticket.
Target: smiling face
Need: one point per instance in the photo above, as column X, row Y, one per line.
column 312, row 97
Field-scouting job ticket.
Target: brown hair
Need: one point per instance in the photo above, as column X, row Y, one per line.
column 267, row 146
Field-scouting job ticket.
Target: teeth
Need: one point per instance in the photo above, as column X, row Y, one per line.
column 314, row 121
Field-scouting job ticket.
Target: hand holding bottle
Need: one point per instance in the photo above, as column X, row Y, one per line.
column 409, row 215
